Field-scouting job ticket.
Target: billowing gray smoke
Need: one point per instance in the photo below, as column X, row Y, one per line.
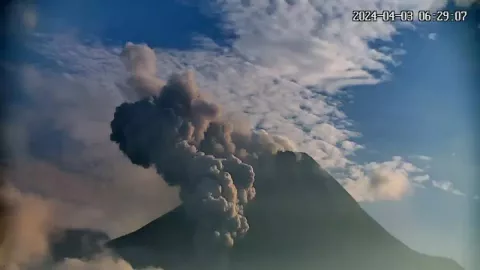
column 182, row 135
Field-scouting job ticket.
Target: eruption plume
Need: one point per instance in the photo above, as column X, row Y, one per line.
column 165, row 132
column 182, row 135
column 140, row 62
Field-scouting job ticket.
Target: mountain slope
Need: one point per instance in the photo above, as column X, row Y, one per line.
column 301, row 219
column 77, row 243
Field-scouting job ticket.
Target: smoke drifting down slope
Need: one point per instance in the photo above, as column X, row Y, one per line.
column 183, row 135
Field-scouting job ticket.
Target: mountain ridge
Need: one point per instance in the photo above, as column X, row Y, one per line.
column 302, row 218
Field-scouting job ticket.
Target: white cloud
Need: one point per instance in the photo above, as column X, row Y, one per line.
column 447, row 186
column 350, row 146
column 421, row 178
column 432, row 36
column 380, row 181
column 314, row 42
column 421, row 157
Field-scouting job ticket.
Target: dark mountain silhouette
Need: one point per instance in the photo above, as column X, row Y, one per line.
column 77, row 243
column 302, row 218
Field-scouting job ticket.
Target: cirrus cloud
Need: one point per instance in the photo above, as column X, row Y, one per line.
column 447, row 186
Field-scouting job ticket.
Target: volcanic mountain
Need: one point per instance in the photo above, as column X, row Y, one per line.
column 305, row 220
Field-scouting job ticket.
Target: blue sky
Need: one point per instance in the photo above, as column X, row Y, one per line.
column 426, row 108
column 134, row 23
column 368, row 101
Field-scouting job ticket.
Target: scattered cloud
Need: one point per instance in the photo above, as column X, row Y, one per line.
column 421, row 157
column 381, row 181
column 315, row 42
column 447, row 186
column 421, row 178
column 432, row 36
column 312, row 42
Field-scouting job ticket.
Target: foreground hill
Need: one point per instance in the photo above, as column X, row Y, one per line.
column 305, row 220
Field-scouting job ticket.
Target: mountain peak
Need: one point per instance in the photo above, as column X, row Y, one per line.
column 302, row 218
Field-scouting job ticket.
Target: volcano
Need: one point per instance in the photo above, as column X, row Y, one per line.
column 305, row 220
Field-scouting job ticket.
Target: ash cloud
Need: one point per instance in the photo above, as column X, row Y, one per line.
column 27, row 225
column 141, row 62
column 185, row 137
column 61, row 137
